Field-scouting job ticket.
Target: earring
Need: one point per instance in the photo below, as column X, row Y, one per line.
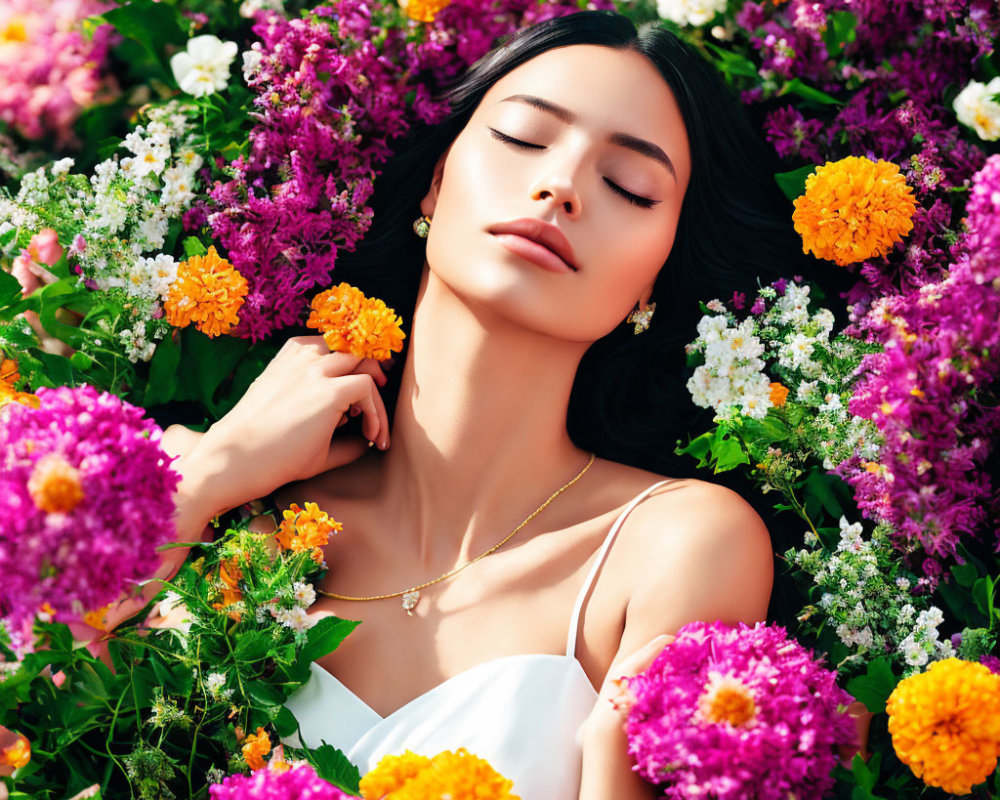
column 422, row 226
column 641, row 317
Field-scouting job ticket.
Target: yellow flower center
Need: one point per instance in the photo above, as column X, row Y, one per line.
column 727, row 700
column 55, row 485
column 15, row 31
column 423, row 10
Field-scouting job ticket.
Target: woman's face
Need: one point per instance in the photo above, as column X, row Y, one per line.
column 607, row 166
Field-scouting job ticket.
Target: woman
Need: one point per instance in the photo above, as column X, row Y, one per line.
column 586, row 172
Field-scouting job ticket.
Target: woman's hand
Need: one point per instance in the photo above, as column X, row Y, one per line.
column 281, row 429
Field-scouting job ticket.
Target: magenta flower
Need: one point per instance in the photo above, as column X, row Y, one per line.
column 85, row 497
column 298, row 783
column 731, row 713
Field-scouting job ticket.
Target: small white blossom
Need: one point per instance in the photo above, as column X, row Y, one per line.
column 975, row 107
column 62, row 166
column 304, row 594
column 690, row 12
column 203, row 68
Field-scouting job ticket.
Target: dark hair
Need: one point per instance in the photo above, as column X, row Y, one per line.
column 629, row 402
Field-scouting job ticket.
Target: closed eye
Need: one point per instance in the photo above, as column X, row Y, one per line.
column 634, row 199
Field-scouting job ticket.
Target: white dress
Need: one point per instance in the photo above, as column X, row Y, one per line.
column 522, row 713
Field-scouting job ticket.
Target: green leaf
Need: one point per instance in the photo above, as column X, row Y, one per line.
column 820, row 485
column 193, row 247
column 285, row 722
column 7, row 237
column 874, row 687
column 206, row 363
column 727, row 452
column 866, row 773
column 162, row 384
column 264, row 694
column 841, row 30
column 793, row 184
column 333, row 766
column 252, row 646
column 807, row 92
column 10, row 289
column 698, row 447
column 153, row 25
column 983, row 591
column 325, row 636
column 965, row 574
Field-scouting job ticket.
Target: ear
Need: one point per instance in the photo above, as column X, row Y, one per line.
column 429, row 202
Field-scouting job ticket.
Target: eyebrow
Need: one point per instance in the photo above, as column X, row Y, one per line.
column 641, row 146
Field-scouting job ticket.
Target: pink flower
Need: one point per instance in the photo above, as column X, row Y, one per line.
column 44, row 247
column 738, row 712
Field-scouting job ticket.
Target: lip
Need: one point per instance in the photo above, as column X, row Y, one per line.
column 537, row 241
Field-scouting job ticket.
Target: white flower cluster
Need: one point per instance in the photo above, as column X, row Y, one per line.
column 120, row 213
column 731, row 379
column 690, row 12
column 869, row 605
column 975, row 107
column 296, row 618
column 215, row 685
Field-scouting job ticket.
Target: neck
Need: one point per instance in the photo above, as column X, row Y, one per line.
column 479, row 437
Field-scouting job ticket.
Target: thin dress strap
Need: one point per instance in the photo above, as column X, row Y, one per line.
column 574, row 622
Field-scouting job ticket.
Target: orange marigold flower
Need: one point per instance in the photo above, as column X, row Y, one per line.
column 423, row 10
column 945, row 724
column 18, row 754
column 256, row 746
column 854, row 209
column 779, row 394
column 353, row 323
column 55, row 484
column 230, row 575
column 8, row 372
column 306, row 529
column 207, row 292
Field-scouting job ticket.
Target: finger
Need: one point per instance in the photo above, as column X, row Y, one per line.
column 360, row 391
column 371, row 367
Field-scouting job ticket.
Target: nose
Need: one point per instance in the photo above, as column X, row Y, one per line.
column 558, row 188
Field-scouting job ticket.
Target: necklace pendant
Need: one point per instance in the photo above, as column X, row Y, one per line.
column 410, row 600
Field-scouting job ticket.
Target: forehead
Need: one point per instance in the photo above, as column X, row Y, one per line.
column 607, row 89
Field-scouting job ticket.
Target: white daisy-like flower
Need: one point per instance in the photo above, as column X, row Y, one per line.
column 203, row 68
column 690, row 12
column 294, row 618
column 975, row 107
column 304, row 594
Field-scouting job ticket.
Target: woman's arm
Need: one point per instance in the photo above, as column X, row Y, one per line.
column 707, row 556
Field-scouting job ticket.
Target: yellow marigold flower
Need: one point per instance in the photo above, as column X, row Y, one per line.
column 448, row 774
column 306, row 529
column 353, row 323
column 207, row 292
column 55, row 484
column 18, row 754
column 779, row 394
column 854, row 209
column 256, row 746
column 945, row 724
column 392, row 773
column 423, row 10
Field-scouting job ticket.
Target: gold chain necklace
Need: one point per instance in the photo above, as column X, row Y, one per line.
column 411, row 596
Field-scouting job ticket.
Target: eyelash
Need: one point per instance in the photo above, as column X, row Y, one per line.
column 634, row 199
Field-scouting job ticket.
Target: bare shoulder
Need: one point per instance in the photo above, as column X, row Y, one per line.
column 694, row 550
